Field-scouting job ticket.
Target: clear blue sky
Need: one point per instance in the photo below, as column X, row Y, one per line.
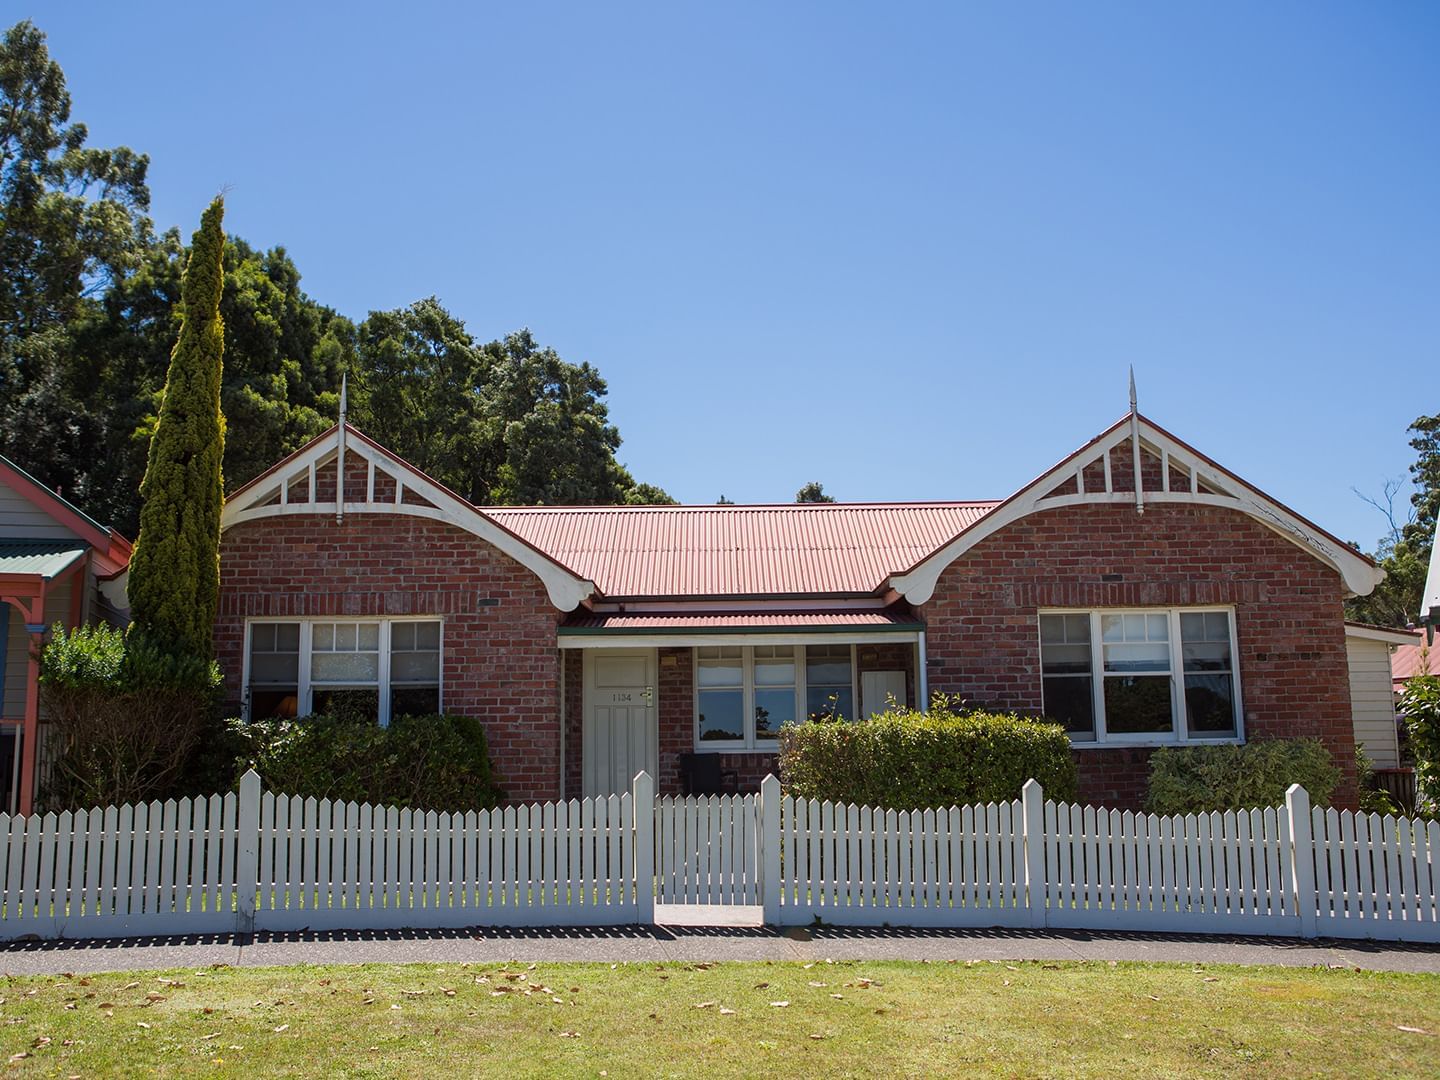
column 906, row 250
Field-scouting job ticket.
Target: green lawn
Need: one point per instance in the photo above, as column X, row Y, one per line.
column 820, row 1020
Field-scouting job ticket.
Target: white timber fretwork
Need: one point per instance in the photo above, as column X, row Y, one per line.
column 377, row 482
column 1119, row 467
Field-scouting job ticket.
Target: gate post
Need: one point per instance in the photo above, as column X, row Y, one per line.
column 247, row 852
column 642, row 803
column 771, row 887
column 1032, row 825
column 1302, row 858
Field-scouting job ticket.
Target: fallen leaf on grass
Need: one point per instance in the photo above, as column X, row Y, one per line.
column 817, row 1036
column 127, row 986
column 761, row 986
column 44, row 1040
column 282, row 1027
column 1210, row 978
column 19, row 1057
column 569, row 1034
column 447, row 991
column 1413, row 1030
column 414, row 993
column 817, row 984
column 779, row 1004
column 726, row 1012
column 212, row 1035
column 141, row 1023
column 705, row 1005
column 839, row 996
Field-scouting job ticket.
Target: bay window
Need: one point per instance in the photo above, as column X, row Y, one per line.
column 375, row 668
column 745, row 694
column 1139, row 677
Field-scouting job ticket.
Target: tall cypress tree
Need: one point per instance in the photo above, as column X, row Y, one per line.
column 175, row 570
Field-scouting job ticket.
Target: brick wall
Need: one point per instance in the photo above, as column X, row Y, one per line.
column 501, row 660
column 983, row 638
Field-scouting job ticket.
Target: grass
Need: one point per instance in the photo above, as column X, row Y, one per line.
column 842, row 1019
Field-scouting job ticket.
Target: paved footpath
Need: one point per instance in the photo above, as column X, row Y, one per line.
column 696, row 943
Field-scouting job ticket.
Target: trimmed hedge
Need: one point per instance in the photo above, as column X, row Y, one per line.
column 905, row 759
column 426, row 762
column 1195, row 779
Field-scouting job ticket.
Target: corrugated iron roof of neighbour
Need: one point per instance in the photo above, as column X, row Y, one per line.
column 46, row 559
column 802, row 549
column 725, row 622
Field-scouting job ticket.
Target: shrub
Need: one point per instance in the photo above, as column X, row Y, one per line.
column 1373, row 798
column 127, row 715
column 1420, row 705
column 906, row 759
column 1193, row 779
column 428, row 762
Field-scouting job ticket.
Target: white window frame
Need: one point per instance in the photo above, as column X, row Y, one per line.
column 1180, row 735
column 304, row 692
column 751, row 744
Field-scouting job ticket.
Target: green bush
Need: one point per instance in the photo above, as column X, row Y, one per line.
column 126, row 714
column 1373, row 798
column 1420, row 705
column 1194, row 779
column 945, row 757
column 427, row 762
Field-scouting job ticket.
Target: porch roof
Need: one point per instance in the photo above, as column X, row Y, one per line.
column 44, row 559
column 794, row 622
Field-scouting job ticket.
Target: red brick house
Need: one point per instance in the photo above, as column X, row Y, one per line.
column 1137, row 591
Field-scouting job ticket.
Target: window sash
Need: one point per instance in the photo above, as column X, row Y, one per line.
column 1176, row 671
column 383, row 683
column 751, row 740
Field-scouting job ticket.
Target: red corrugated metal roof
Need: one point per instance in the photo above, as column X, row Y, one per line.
column 788, row 621
column 792, row 550
column 1408, row 661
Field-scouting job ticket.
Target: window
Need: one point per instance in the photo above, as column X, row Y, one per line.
column 1141, row 676
column 274, row 670
column 829, row 690
column 374, row 668
column 745, row 694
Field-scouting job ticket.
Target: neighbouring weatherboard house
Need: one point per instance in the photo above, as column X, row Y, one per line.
column 57, row 566
column 1138, row 592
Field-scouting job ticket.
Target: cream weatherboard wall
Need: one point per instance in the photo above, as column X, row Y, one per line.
column 1372, row 700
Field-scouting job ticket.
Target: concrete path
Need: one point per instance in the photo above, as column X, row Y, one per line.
column 632, row 944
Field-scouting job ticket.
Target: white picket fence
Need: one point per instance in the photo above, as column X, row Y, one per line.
column 260, row 861
column 275, row 862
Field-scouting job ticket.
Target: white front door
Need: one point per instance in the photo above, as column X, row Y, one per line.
column 621, row 736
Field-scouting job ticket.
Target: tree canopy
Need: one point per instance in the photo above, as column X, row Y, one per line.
column 813, row 492
column 90, row 306
column 1404, row 552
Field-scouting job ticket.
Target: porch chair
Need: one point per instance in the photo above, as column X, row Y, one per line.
column 700, row 774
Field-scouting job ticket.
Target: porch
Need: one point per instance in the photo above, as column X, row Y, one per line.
column 643, row 691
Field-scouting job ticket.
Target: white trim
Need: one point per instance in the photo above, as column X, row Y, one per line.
column 565, row 589
column 1389, row 637
column 1359, row 575
column 686, row 641
column 1180, row 734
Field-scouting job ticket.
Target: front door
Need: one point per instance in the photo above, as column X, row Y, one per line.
column 621, row 736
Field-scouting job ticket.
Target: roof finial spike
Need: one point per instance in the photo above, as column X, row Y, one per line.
column 340, row 452
column 1132, row 389
column 345, row 394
